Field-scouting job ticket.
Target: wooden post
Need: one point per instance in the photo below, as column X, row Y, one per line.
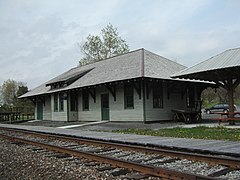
column 230, row 86
column 230, row 91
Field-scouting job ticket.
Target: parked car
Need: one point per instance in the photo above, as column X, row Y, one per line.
column 219, row 108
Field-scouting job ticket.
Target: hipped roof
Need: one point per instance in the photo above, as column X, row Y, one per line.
column 135, row 64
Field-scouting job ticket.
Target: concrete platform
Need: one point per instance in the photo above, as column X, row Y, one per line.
column 214, row 146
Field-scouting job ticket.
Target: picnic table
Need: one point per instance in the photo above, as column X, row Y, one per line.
column 225, row 117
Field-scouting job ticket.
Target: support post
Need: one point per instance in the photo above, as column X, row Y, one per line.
column 230, row 86
column 230, row 100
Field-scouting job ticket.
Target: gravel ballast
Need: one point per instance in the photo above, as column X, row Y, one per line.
column 21, row 162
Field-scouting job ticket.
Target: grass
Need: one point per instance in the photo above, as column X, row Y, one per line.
column 218, row 133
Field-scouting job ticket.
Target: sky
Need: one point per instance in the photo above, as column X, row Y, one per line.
column 39, row 38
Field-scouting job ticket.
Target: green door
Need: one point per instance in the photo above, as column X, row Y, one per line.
column 105, row 107
column 39, row 111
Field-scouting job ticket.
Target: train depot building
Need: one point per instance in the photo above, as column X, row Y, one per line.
column 135, row 86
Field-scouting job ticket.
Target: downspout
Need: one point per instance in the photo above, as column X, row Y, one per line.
column 143, row 87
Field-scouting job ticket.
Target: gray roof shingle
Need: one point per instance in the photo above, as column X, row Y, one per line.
column 122, row 67
column 159, row 67
column 73, row 73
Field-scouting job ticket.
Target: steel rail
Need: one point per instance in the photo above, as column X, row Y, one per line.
column 151, row 170
column 212, row 160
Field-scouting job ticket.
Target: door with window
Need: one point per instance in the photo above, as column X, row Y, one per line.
column 39, row 111
column 105, row 107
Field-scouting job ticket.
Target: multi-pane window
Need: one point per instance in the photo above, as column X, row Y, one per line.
column 56, row 102
column 61, row 102
column 85, row 100
column 128, row 96
column 158, row 96
column 74, row 101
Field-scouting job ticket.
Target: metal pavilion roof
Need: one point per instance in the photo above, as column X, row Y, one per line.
column 219, row 67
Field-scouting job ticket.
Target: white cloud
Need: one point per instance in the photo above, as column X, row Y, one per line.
column 39, row 38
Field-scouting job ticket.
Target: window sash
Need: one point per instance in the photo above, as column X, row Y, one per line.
column 158, row 96
column 128, row 97
column 61, row 102
column 85, row 101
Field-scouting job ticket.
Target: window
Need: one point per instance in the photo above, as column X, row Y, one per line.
column 56, row 102
column 61, row 102
column 158, row 96
column 128, row 97
column 74, row 101
column 85, row 100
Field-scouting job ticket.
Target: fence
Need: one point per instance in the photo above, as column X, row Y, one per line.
column 16, row 114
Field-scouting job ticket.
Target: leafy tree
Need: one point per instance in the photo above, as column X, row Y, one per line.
column 10, row 91
column 22, row 90
column 237, row 92
column 208, row 96
column 23, row 105
column 108, row 44
column 213, row 96
column 21, row 102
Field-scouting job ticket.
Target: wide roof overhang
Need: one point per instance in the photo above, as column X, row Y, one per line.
column 223, row 69
column 215, row 75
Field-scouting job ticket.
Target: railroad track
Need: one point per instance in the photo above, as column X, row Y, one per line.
column 167, row 164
